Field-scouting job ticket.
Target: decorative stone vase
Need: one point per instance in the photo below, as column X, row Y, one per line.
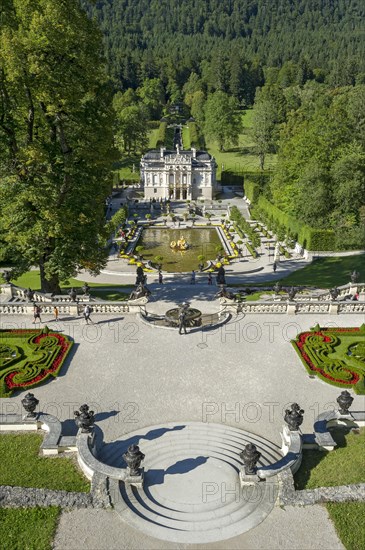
column 355, row 276
column 84, row 419
column 345, row 401
column 250, row 456
column 7, row 276
column 294, row 417
column 133, row 458
column 334, row 292
column 30, row 403
column 73, row 294
column 86, row 289
column 29, row 294
column 277, row 287
column 291, row 293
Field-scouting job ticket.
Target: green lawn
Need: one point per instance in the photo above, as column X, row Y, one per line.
column 99, row 290
column 186, row 137
column 349, row 522
column 24, row 468
column 28, row 528
column 344, row 465
column 327, row 272
column 152, row 138
column 242, row 158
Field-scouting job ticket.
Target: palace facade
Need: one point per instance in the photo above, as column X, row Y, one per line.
column 178, row 175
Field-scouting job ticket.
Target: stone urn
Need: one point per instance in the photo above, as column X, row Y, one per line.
column 334, row 293
column 277, row 287
column 84, row 419
column 345, row 401
column 294, row 417
column 30, row 403
column 29, row 294
column 86, row 289
column 291, row 293
column 133, row 458
column 73, row 294
column 7, row 276
column 250, row 456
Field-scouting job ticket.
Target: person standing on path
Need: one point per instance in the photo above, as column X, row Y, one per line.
column 55, row 313
column 210, row 280
column 182, row 321
column 160, row 277
column 274, row 267
column 36, row 313
column 192, row 280
column 87, row 312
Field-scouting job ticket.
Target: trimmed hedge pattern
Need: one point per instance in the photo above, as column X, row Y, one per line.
column 243, row 228
column 336, row 355
column 29, row 357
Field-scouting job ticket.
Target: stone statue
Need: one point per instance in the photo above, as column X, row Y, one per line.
column 291, row 293
column 250, row 456
column 86, row 289
column 133, row 458
column 139, row 292
column 277, row 287
column 29, row 293
column 294, row 417
column 221, row 276
column 355, row 276
column 140, row 275
column 7, row 276
column 334, row 292
column 73, row 294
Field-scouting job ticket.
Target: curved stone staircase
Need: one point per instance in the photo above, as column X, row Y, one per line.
column 191, row 491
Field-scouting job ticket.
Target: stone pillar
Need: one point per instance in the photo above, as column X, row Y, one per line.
column 7, row 290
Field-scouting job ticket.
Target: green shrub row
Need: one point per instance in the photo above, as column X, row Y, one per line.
column 230, row 178
column 252, row 190
column 196, row 139
column 161, row 136
column 246, row 228
column 278, row 221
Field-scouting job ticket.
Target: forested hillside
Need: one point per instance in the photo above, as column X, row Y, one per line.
column 228, row 42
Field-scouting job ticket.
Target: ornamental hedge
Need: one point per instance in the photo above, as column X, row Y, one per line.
column 336, row 355
column 310, row 238
column 161, row 136
column 29, row 357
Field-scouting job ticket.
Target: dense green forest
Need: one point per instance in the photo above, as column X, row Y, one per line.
column 229, row 42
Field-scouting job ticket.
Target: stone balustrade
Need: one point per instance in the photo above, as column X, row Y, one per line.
column 75, row 308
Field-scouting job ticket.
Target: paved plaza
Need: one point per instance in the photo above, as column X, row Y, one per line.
column 141, row 379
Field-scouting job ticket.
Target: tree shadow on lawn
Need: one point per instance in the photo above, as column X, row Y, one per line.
column 312, row 457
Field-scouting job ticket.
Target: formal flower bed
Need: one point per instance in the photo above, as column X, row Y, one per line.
column 336, row 355
column 29, row 357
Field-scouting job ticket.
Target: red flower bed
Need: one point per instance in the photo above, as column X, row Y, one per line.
column 59, row 351
column 303, row 347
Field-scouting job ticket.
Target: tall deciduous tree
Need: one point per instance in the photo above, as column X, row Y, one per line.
column 55, row 139
column 222, row 120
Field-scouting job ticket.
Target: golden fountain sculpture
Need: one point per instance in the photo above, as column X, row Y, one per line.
column 181, row 244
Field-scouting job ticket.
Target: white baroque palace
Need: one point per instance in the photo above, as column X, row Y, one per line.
column 178, row 175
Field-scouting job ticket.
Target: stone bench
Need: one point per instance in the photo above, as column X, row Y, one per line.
column 323, row 437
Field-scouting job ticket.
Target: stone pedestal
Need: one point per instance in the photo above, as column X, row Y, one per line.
column 6, row 289
column 136, row 481
column 333, row 308
column 248, row 479
column 292, row 307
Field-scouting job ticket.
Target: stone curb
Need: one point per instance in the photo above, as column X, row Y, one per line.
column 288, row 496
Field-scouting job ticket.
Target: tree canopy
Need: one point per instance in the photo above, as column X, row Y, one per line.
column 56, row 142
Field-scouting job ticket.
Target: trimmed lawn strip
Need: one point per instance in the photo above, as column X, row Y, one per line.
column 28, row 528
column 343, row 466
column 24, row 468
column 99, row 290
column 349, row 523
